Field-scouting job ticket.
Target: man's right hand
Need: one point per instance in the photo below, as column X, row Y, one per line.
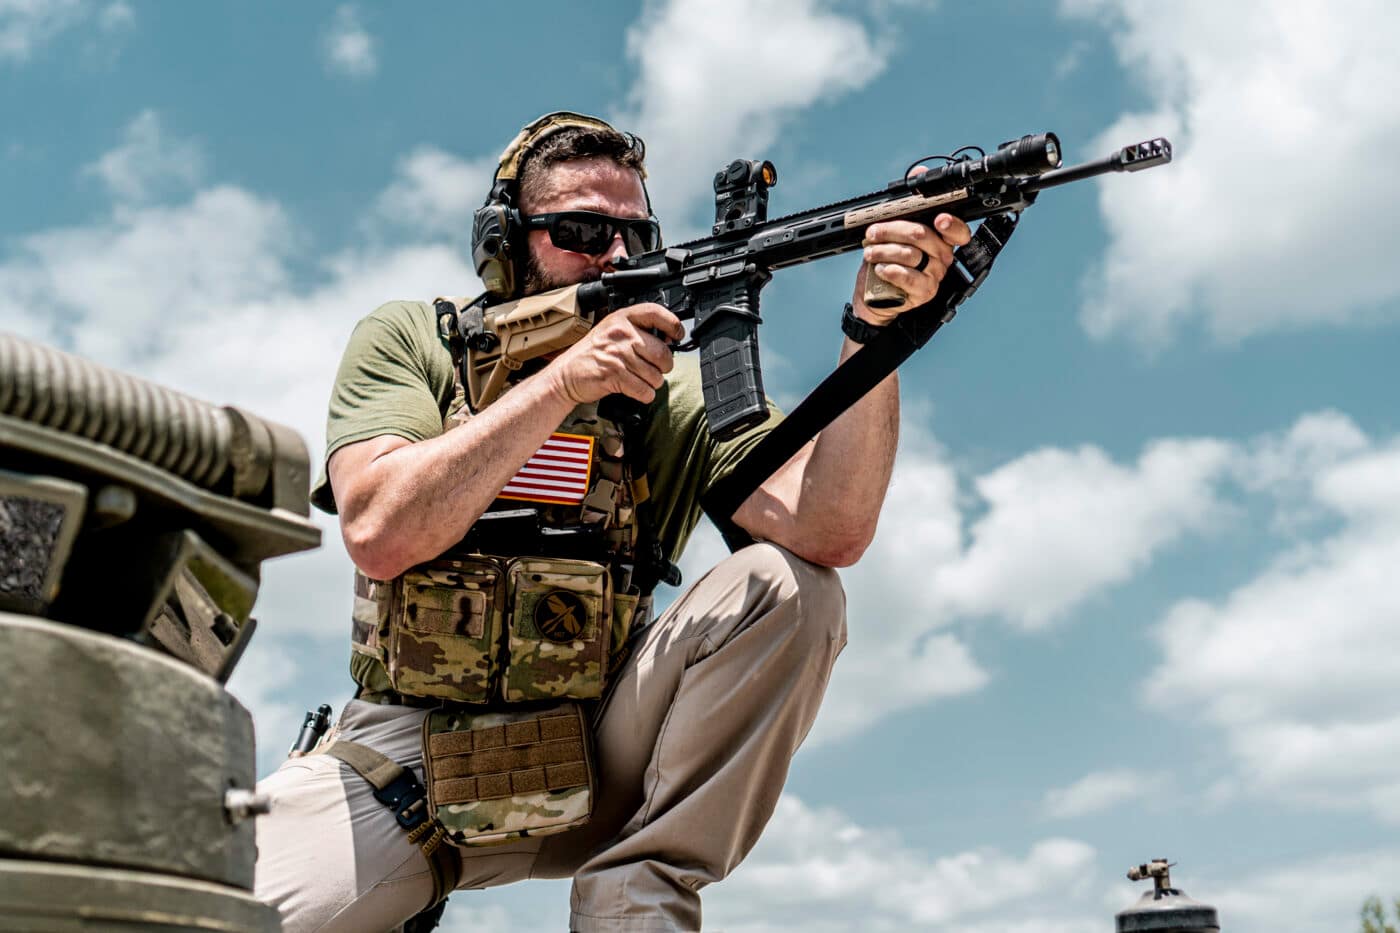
column 622, row 353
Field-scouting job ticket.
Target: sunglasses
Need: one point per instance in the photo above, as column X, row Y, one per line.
column 592, row 233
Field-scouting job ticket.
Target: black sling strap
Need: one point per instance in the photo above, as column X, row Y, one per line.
column 860, row 373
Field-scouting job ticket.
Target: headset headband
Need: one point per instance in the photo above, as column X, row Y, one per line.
column 508, row 169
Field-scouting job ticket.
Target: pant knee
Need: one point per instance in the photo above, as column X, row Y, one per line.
column 817, row 589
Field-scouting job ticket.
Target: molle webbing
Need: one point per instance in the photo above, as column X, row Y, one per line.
column 222, row 449
column 501, row 761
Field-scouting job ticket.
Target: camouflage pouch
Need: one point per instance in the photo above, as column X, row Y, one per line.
column 559, row 629
column 445, row 629
column 494, row 777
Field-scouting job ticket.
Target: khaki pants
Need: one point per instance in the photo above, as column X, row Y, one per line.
column 693, row 746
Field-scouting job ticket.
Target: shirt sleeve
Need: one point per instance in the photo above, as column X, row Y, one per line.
column 390, row 381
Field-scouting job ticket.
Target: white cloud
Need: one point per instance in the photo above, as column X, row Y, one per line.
column 116, row 16
column 435, row 193
column 120, row 289
column 348, row 49
column 1249, row 231
column 815, row 869
column 720, row 80
column 1062, row 525
column 1099, row 791
column 1298, row 667
column 1286, row 463
column 26, row 25
column 148, row 162
column 1320, row 895
column 260, row 682
column 1102, row 521
column 465, row 918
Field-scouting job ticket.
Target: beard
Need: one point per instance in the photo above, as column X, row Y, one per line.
column 537, row 280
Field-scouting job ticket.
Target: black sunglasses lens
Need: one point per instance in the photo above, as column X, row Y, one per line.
column 580, row 235
column 640, row 237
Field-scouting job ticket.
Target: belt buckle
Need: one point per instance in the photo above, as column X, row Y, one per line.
column 406, row 797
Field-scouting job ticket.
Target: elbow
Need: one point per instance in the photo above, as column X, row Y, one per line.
column 838, row 550
column 371, row 549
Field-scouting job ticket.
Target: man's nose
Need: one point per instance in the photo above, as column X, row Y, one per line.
column 616, row 250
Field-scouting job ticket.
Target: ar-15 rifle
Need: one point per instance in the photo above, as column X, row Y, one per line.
column 716, row 281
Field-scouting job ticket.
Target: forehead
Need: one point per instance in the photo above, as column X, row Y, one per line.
column 589, row 185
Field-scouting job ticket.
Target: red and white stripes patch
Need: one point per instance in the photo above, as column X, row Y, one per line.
column 558, row 473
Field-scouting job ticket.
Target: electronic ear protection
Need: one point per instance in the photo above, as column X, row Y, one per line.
column 498, row 232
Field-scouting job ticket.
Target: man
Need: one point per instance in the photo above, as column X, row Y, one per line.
column 705, row 706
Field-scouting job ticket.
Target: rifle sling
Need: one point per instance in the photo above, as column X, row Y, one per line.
column 860, row 373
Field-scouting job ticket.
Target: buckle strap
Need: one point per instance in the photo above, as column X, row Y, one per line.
column 443, row 863
column 407, row 798
column 399, row 789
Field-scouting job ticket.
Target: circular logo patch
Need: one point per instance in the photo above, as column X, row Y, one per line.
column 560, row 616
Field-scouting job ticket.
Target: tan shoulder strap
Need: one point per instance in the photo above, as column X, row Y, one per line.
column 398, row 789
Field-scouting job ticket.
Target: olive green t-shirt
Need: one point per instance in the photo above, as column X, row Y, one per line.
column 396, row 378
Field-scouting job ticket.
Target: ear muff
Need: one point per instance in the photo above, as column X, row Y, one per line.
column 498, row 235
column 492, row 249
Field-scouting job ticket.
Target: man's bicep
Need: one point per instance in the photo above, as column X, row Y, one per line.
column 385, row 385
column 382, row 387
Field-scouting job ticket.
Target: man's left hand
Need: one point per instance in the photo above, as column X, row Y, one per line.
column 895, row 249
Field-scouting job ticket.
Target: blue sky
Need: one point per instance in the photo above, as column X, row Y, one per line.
column 1132, row 594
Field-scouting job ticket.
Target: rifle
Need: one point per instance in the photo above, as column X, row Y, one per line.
column 716, row 280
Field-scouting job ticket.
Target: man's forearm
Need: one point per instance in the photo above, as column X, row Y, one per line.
column 824, row 503
column 414, row 501
column 850, row 468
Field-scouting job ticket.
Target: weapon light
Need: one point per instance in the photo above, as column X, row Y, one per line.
column 1029, row 155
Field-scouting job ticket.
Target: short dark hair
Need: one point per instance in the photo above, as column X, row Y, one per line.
column 578, row 142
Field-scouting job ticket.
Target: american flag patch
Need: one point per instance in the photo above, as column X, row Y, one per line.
column 557, row 473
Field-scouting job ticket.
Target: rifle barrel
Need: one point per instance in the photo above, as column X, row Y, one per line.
column 1132, row 158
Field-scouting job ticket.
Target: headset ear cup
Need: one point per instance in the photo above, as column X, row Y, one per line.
column 492, row 248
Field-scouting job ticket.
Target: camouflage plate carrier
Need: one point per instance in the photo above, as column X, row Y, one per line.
column 508, row 634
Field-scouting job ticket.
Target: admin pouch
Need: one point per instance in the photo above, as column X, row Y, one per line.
column 445, row 621
column 560, row 629
column 496, row 776
column 472, row 629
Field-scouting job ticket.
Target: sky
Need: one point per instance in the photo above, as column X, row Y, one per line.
column 1132, row 592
